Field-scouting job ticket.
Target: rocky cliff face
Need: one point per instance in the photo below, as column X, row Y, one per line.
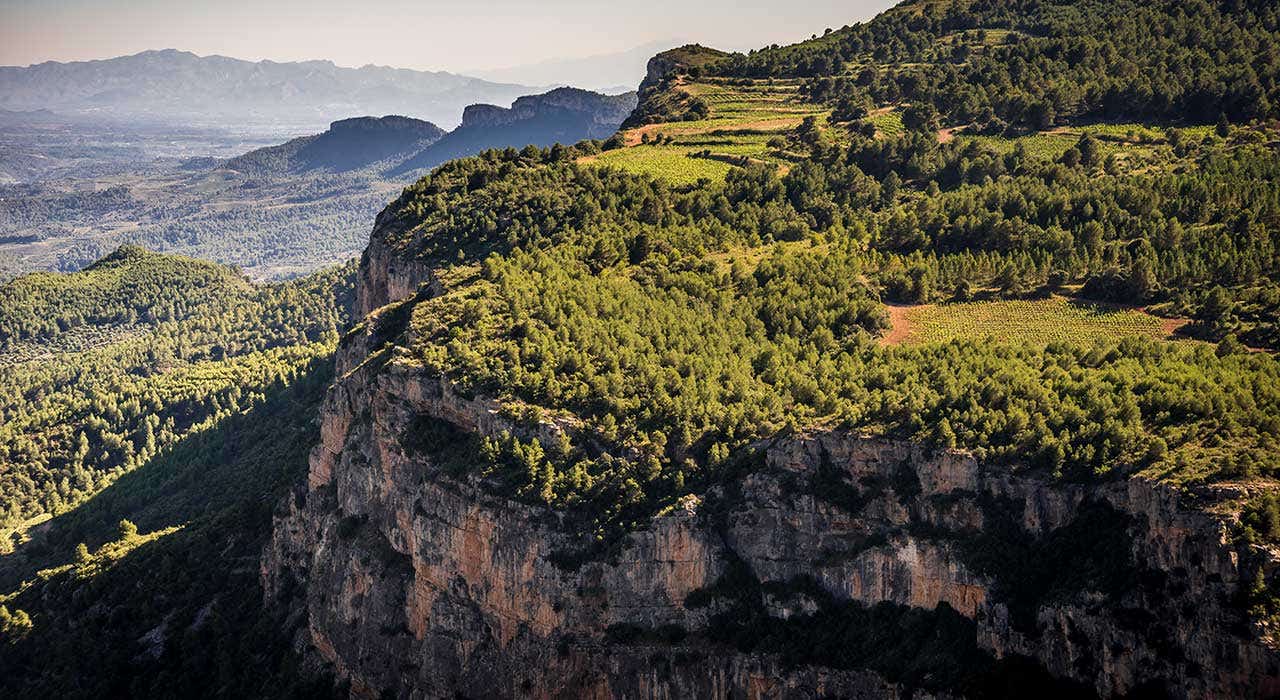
column 384, row 276
column 605, row 110
column 421, row 582
column 608, row 110
column 657, row 102
column 563, row 115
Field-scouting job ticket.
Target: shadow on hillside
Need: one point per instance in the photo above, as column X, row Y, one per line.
column 181, row 615
column 243, row 465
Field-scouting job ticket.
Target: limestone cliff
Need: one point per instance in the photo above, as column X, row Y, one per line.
column 418, row 581
column 562, row 115
column 659, row 101
column 604, row 111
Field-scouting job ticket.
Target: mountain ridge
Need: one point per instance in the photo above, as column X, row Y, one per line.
column 563, row 115
column 182, row 86
column 401, row 145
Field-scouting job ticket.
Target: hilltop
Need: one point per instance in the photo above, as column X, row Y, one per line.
column 349, row 144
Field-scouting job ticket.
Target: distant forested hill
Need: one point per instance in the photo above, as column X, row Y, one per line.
column 349, row 144
column 155, row 407
column 131, row 355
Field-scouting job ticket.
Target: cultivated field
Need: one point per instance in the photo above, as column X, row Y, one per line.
column 1036, row 322
column 671, row 163
column 740, row 122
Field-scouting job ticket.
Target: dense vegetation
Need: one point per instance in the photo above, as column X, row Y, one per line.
column 1036, row 63
column 151, row 589
column 682, row 324
column 121, row 289
column 158, row 408
column 103, row 369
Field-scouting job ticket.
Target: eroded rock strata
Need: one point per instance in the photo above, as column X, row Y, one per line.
column 419, row 581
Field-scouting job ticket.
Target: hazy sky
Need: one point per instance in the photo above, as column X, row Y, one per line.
column 424, row 34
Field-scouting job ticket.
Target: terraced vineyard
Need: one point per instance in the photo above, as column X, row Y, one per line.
column 888, row 122
column 674, row 164
column 1035, row 322
column 742, row 117
column 1135, row 142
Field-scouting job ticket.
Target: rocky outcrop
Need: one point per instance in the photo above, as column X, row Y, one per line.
column 420, row 579
column 384, row 275
column 479, row 116
column 422, row 583
column 657, row 101
column 671, row 61
column 605, row 111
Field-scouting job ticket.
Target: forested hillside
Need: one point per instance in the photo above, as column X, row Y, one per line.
column 1037, row 63
column 104, row 369
column 154, row 409
column 716, row 276
column 150, row 589
column 683, row 324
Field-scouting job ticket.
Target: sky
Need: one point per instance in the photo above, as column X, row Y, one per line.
column 455, row 35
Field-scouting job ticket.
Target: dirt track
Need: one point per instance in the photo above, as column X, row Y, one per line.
column 899, row 325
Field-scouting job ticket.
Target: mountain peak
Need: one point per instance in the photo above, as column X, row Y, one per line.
column 349, row 144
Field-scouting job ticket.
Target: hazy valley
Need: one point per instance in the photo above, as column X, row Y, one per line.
column 78, row 188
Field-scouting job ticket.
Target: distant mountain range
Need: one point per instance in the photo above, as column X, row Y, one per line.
column 181, row 87
column 399, row 145
column 276, row 210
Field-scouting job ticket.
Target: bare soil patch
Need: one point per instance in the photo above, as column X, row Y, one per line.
column 899, row 323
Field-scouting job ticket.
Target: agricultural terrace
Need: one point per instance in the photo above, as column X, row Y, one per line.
column 743, row 117
column 1036, row 322
column 1136, row 145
